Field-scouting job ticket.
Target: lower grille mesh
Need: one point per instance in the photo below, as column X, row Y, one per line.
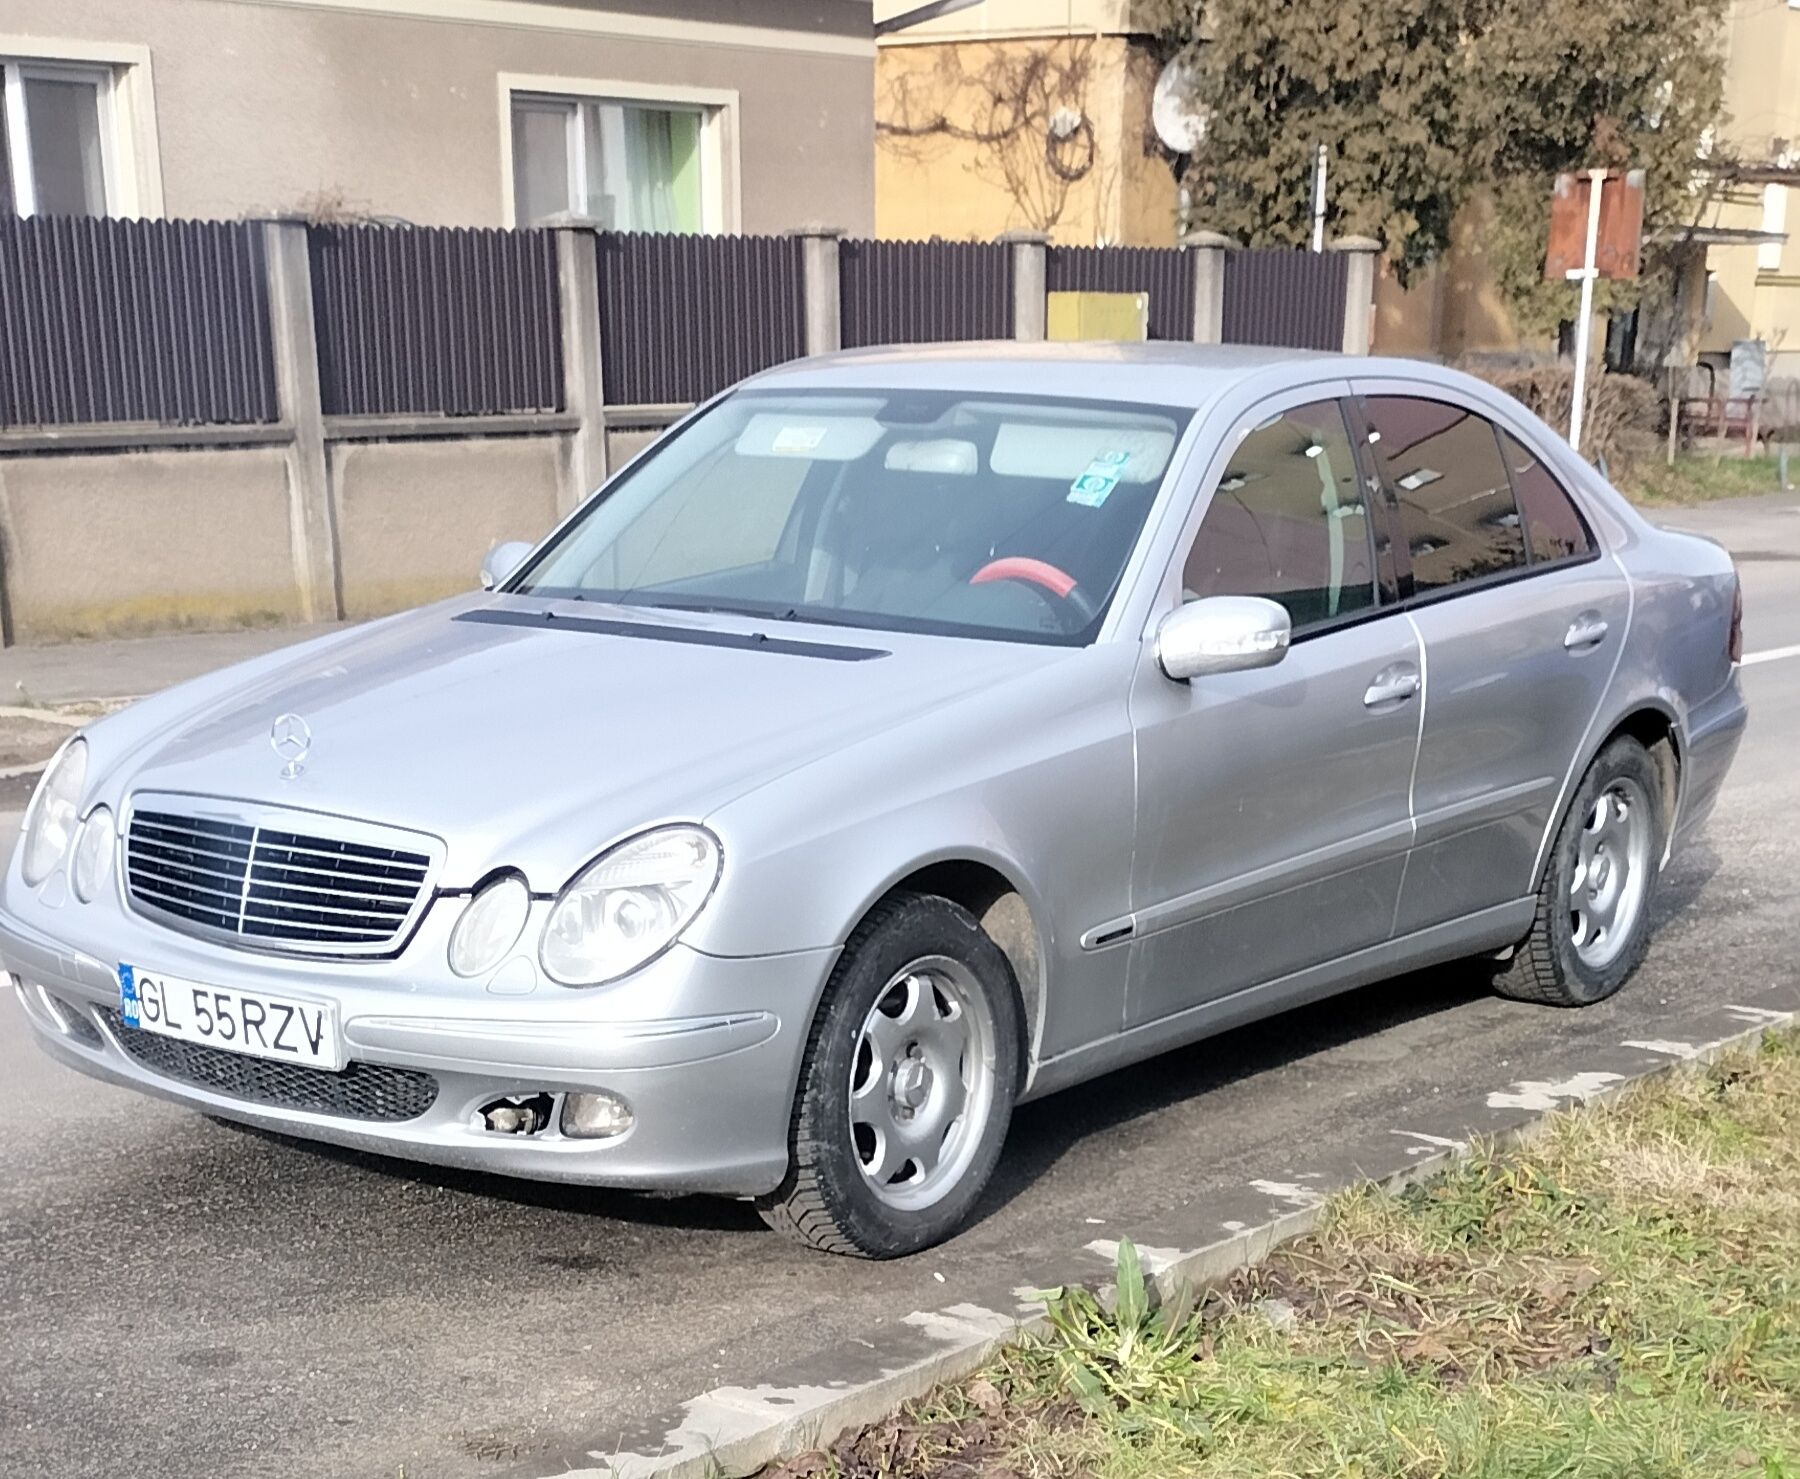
column 363, row 1091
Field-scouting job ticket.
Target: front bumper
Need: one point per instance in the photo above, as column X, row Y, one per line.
column 705, row 1050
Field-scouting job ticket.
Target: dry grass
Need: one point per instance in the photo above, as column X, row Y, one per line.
column 1701, row 477
column 1620, row 1299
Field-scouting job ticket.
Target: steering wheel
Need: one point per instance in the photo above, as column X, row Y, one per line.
column 1042, row 576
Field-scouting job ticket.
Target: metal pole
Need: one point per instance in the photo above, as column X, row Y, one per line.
column 1318, row 232
column 1583, row 326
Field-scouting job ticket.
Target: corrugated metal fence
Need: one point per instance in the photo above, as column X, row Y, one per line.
column 682, row 317
column 436, row 321
column 1274, row 295
column 133, row 321
column 1165, row 273
column 923, row 292
column 169, row 321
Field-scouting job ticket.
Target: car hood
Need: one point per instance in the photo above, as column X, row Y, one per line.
column 533, row 733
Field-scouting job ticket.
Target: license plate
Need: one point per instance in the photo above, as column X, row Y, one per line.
column 259, row 1023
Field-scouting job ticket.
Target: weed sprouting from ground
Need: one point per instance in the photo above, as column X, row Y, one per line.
column 1621, row 1298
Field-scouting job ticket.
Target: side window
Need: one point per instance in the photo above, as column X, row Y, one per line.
column 1554, row 527
column 1288, row 521
column 1442, row 465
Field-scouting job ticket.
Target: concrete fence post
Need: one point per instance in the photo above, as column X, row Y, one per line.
column 1030, row 272
column 1208, row 250
column 312, row 521
column 821, row 289
column 584, row 464
column 1359, row 292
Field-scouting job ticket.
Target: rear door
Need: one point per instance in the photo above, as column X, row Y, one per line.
column 1272, row 822
column 1522, row 621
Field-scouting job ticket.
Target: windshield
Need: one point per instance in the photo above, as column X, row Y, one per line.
column 989, row 515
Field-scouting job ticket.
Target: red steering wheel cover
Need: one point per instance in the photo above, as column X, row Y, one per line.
column 1022, row 567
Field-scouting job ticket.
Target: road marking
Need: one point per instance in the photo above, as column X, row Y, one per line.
column 1772, row 655
column 1539, row 1094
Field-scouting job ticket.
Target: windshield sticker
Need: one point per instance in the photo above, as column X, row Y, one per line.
column 797, row 441
column 1095, row 485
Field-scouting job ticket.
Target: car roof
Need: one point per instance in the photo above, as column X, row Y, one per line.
column 1157, row 373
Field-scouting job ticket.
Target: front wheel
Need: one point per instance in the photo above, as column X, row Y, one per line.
column 1593, row 916
column 907, row 1085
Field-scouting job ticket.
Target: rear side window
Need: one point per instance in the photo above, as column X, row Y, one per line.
column 1288, row 521
column 1554, row 527
column 1442, row 466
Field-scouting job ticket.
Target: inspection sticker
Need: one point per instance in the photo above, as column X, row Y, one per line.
column 797, row 441
column 1095, row 485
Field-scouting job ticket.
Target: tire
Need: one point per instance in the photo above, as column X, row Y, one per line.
column 1579, row 951
column 920, row 987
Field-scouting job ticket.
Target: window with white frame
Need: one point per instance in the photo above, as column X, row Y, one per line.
column 637, row 166
column 55, row 138
column 1774, row 220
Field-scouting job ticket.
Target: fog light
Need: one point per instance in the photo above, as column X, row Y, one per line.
column 517, row 1114
column 595, row 1116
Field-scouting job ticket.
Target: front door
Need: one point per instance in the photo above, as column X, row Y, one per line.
column 1522, row 621
column 1272, row 820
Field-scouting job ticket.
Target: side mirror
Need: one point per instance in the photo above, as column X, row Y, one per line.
column 1222, row 634
column 501, row 561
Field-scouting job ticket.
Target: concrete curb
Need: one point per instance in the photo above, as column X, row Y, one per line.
column 808, row 1403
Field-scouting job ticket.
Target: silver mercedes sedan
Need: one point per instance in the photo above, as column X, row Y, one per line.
column 908, row 734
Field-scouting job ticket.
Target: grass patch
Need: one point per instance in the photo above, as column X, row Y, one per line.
column 1701, row 477
column 1621, row 1299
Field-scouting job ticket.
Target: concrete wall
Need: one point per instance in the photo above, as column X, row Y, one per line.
column 414, row 518
column 124, row 542
column 267, row 108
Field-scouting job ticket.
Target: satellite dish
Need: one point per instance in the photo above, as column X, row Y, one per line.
column 1179, row 122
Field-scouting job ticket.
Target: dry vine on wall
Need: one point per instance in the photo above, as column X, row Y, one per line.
column 1024, row 110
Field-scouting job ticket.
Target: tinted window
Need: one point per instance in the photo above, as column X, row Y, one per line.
column 1442, row 464
column 1553, row 526
column 1288, row 521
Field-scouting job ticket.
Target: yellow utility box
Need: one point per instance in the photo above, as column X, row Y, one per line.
column 1118, row 316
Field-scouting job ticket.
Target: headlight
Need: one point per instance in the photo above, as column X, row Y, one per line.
column 51, row 824
column 93, row 854
column 630, row 905
column 489, row 926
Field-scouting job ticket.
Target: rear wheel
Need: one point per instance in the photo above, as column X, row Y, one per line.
column 907, row 1086
column 1593, row 916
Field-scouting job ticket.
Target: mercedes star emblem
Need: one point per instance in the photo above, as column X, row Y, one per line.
column 291, row 739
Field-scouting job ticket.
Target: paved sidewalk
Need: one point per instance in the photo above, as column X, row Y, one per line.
column 130, row 667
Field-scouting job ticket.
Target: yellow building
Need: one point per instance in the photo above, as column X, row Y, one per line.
column 1753, row 291
column 1020, row 115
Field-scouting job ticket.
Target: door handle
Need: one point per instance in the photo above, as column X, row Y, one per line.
column 1392, row 686
column 1587, row 630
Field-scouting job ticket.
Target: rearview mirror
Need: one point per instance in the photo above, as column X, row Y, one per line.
column 501, row 561
column 1222, row 634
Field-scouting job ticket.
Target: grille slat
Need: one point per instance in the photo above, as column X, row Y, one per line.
column 363, row 1091
column 373, row 888
column 271, row 884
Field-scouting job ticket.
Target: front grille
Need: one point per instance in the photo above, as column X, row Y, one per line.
column 280, row 888
column 363, row 1091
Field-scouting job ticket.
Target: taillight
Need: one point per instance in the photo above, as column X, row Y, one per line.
column 1735, row 646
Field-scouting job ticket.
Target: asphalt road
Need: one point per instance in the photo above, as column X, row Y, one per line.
column 178, row 1297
